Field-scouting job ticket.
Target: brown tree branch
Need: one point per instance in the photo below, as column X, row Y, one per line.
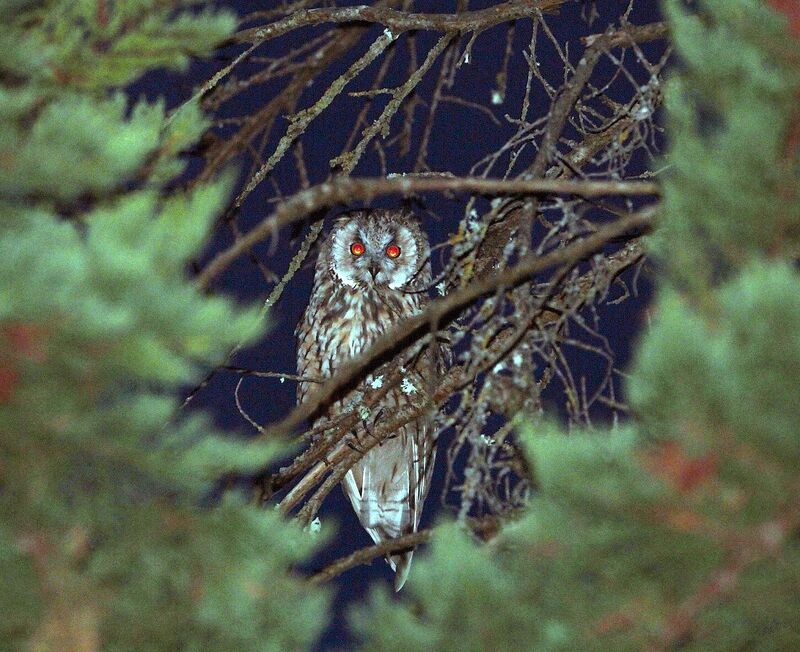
column 263, row 120
column 400, row 21
column 486, row 528
column 348, row 160
column 346, row 189
column 300, row 120
column 629, row 35
column 516, row 223
column 366, row 555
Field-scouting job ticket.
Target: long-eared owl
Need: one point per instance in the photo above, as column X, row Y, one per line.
column 373, row 271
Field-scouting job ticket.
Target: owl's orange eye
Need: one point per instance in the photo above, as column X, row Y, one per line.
column 393, row 251
column 357, row 249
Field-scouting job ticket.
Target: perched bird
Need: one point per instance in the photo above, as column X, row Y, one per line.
column 373, row 271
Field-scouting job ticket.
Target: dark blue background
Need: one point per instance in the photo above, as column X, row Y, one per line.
column 461, row 136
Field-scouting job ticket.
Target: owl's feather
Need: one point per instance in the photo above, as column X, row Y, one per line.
column 355, row 300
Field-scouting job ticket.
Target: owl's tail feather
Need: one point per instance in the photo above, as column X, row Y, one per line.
column 401, row 565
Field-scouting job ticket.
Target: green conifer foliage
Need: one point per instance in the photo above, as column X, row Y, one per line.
column 680, row 530
column 103, row 543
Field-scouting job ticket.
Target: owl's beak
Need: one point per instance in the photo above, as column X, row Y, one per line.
column 373, row 270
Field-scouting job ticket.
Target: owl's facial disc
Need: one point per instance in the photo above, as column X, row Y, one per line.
column 371, row 254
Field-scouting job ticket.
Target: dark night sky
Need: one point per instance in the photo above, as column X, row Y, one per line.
column 457, row 129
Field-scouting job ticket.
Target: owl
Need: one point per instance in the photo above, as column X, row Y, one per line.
column 373, row 271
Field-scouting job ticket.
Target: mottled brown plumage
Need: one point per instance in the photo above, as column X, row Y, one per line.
column 358, row 296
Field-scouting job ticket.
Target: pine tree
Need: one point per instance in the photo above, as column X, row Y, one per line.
column 678, row 531
column 103, row 541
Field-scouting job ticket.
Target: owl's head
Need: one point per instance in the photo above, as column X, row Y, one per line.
column 376, row 248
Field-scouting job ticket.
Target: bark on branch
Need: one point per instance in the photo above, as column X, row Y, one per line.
column 366, row 555
column 347, row 189
column 401, row 21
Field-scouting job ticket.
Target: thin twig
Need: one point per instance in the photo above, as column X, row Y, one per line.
column 366, row 555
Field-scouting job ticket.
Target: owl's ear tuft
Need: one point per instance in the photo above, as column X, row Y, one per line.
column 345, row 217
column 407, row 216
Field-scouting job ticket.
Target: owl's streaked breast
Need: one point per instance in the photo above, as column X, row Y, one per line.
column 352, row 320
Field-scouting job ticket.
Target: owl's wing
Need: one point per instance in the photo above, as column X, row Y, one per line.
column 444, row 352
column 309, row 356
column 388, row 487
column 429, row 368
